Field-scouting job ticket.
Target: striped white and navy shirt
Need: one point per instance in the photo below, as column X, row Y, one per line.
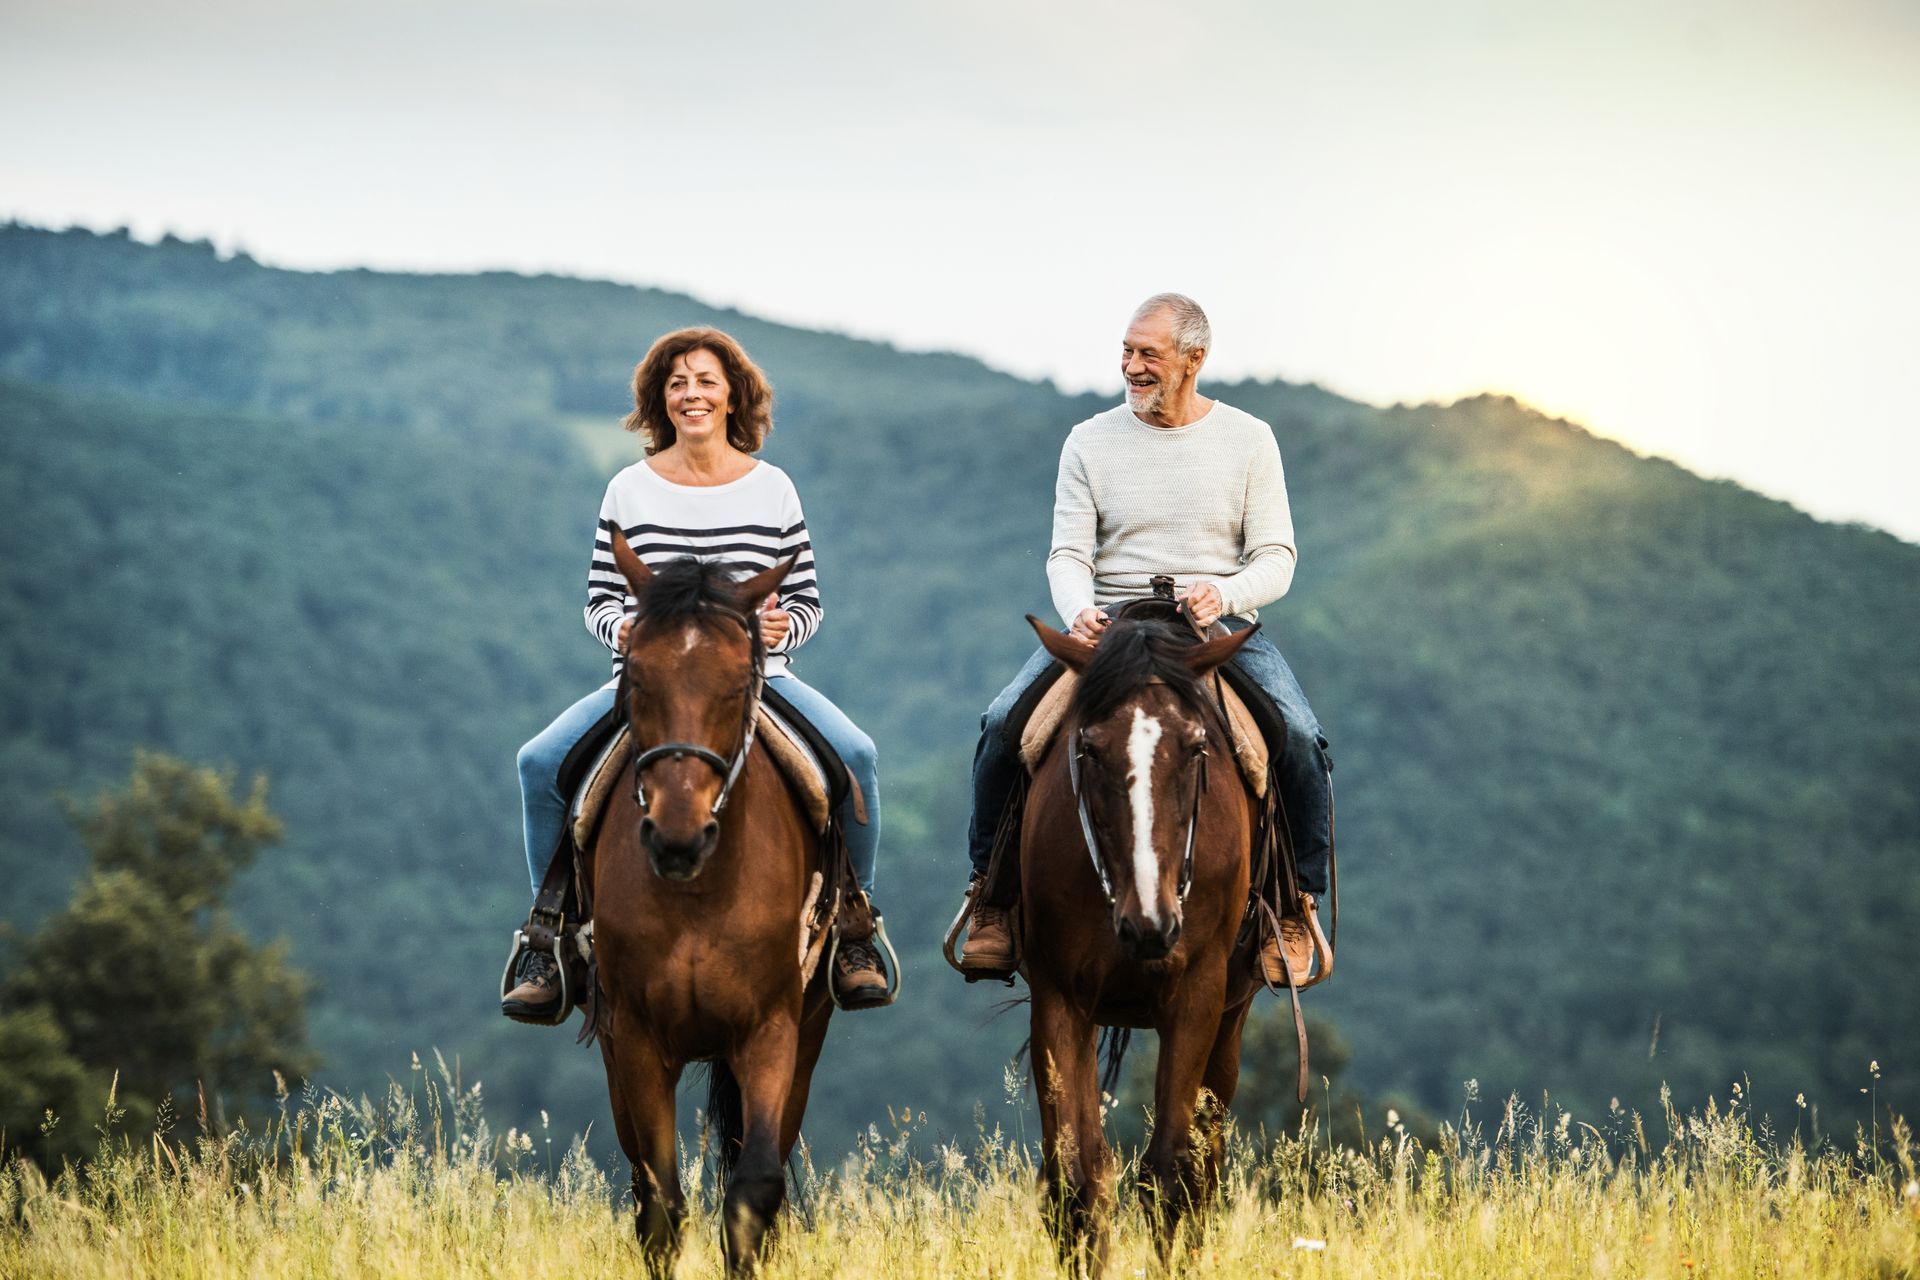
column 755, row 521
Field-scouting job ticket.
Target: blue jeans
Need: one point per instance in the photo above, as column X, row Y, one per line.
column 1306, row 785
column 544, row 809
column 857, row 750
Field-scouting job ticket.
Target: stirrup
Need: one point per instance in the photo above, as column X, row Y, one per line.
column 951, row 946
column 582, row 939
column 1322, row 949
column 885, row 944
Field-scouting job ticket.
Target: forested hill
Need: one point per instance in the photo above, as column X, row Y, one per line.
column 1617, row 747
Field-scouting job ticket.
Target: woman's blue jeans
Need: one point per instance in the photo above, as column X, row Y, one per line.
column 544, row 809
column 1305, row 765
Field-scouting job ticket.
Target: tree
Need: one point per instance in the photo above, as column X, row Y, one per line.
column 143, row 976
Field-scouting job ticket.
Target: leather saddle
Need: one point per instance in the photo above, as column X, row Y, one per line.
column 1254, row 720
column 808, row 762
column 1255, row 723
column 561, row 920
column 1249, row 745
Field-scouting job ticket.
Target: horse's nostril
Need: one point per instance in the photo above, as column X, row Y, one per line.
column 709, row 831
column 1173, row 933
column 647, row 828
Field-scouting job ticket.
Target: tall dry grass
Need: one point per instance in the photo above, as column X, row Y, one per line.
column 417, row 1184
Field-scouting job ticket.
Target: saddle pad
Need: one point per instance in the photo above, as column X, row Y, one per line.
column 803, row 769
column 785, row 747
column 1249, row 748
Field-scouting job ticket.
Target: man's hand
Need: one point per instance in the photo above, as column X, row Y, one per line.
column 1203, row 605
column 1088, row 625
column 620, row 641
column 775, row 622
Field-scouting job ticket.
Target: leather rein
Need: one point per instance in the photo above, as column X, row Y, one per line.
column 729, row 770
column 1079, row 749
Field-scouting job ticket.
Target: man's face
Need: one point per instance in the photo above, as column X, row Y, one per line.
column 1154, row 371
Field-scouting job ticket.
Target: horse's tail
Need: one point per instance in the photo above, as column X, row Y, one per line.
column 1113, row 1050
column 726, row 1128
column 1113, row 1047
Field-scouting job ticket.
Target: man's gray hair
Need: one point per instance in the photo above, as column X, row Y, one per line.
column 1190, row 327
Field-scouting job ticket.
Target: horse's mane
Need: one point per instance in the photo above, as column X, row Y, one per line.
column 1145, row 644
column 691, row 587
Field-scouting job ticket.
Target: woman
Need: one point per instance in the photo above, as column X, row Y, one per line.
column 704, row 409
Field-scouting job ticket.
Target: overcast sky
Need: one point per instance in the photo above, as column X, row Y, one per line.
column 1690, row 226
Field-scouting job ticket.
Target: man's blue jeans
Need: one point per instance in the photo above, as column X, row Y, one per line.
column 545, row 810
column 1304, row 765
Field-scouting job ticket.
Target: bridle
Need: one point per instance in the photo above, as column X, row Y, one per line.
column 729, row 770
column 1079, row 749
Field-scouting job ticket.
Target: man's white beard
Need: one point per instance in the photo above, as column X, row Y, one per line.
column 1146, row 399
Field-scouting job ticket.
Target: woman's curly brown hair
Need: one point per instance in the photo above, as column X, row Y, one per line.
column 750, row 415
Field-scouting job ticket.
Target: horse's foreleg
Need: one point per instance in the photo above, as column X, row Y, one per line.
column 1171, row 1170
column 813, row 1035
column 1076, row 1168
column 640, row 1086
column 764, row 1068
column 1220, row 1082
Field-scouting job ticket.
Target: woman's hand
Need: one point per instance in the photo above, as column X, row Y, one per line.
column 620, row 641
column 775, row 623
column 1203, row 605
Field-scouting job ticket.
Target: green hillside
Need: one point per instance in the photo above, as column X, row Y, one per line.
column 1617, row 747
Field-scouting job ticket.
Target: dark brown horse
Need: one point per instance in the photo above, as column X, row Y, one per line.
column 700, row 875
column 1135, row 860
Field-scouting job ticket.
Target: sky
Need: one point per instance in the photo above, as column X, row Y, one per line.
column 1690, row 227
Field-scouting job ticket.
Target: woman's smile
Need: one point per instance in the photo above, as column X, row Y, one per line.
column 697, row 393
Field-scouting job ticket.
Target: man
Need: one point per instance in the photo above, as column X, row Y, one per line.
column 1171, row 483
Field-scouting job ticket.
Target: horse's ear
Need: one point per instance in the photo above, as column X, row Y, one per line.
column 1070, row 649
column 632, row 567
column 752, row 591
column 1203, row 658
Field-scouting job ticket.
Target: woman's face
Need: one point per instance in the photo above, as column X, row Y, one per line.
column 698, row 397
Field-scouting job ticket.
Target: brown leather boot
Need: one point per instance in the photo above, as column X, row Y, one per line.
column 537, row 997
column 989, row 947
column 1300, row 946
column 859, row 979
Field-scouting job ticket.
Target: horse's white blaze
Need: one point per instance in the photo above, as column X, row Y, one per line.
column 1146, row 868
column 689, row 640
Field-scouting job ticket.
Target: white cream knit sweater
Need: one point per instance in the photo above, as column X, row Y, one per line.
column 1206, row 502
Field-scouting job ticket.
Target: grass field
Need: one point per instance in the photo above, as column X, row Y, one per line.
column 417, row 1184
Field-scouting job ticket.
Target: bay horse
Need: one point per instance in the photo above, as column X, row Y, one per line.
column 700, row 874
column 1135, row 862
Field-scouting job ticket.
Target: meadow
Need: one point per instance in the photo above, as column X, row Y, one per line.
column 417, row 1183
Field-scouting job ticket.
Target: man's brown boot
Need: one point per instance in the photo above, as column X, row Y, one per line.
column 1299, row 945
column 537, row 997
column 989, row 947
column 859, row 981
